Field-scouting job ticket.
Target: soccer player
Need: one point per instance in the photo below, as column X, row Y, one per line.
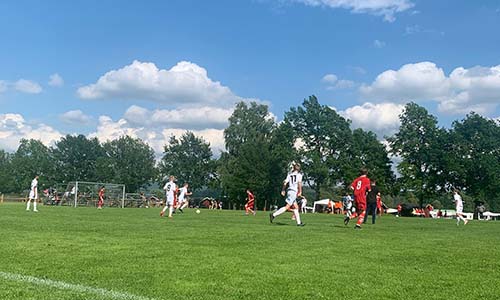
column 183, row 203
column 348, row 205
column 33, row 194
column 380, row 209
column 459, row 207
column 169, row 188
column 100, row 202
column 303, row 204
column 361, row 186
column 372, row 197
column 294, row 183
column 250, row 203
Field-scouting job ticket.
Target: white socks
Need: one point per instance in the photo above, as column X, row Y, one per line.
column 28, row 205
column 164, row 208
column 297, row 215
column 279, row 211
column 170, row 210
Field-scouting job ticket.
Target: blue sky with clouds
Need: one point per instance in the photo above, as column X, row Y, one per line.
column 152, row 69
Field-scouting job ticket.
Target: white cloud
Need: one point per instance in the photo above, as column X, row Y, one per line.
column 3, row 86
column 329, row 78
column 155, row 137
column 334, row 83
column 56, row 80
column 187, row 118
column 184, row 84
column 381, row 118
column 464, row 90
column 75, row 117
column 13, row 128
column 27, row 86
column 385, row 8
column 378, row 44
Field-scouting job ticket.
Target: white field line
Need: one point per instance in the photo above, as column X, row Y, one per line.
column 109, row 294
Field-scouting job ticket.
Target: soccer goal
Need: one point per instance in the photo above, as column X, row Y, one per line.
column 83, row 193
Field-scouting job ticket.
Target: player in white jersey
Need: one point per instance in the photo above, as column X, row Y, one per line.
column 170, row 188
column 183, row 202
column 459, row 207
column 33, row 194
column 294, row 183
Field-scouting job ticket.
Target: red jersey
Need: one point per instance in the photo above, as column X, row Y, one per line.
column 251, row 197
column 361, row 186
column 101, row 194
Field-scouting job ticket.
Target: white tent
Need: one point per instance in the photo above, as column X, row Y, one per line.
column 323, row 202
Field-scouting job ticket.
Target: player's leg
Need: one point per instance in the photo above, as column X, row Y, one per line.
column 361, row 214
column 34, row 206
column 295, row 210
column 184, row 205
column 28, row 203
column 164, row 209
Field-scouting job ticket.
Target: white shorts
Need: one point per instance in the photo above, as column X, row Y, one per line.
column 32, row 195
column 459, row 209
column 170, row 200
column 291, row 197
column 181, row 200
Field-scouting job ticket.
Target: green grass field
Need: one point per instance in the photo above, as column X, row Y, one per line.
column 226, row 255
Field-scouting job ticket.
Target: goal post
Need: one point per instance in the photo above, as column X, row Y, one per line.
column 86, row 193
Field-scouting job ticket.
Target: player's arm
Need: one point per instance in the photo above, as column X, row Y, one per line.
column 283, row 188
column 299, row 192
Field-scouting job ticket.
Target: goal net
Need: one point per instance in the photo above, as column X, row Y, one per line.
column 82, row 193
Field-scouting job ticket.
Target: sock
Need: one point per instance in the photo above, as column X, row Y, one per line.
column 458, row 220
column 361, row 218
column 34, row 205
column 164, row 208
column 297, row 216
column 28, row 204
column 279, row 211
column 170, row 211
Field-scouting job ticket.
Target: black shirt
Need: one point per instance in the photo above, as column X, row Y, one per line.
column 372, row 195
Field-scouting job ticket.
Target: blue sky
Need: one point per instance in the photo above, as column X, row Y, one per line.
column 195, row 59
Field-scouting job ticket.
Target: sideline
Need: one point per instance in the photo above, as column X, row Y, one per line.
column 73, row 287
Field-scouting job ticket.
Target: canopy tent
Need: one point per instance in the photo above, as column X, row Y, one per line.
column 323, row 202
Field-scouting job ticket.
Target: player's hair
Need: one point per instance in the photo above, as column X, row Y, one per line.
column 373, row 181
column 363, row 171
column 296, row 166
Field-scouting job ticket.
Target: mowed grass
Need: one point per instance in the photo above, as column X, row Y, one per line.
column 226, row 255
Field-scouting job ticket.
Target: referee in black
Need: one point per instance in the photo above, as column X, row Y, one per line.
column 371, row 200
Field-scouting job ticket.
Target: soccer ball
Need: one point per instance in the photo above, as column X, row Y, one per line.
column 198, row 211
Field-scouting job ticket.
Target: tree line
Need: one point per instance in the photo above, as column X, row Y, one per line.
column 432, row 160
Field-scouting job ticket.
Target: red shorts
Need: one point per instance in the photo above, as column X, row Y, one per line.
column 249, row 205
column 360, row 205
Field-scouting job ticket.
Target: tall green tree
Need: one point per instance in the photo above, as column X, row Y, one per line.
column 249, row 161
column 127, row 161
column 189, row 158
column 418, row 145
column 474, row 158
column 325, row 138
column 77, row 157
column 6, row 182
column 32, row 158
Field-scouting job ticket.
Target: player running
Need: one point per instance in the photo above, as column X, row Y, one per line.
column 183, row 202
column 170, row 188
column 33, row 194
column 361, row 187
column 459, row 207
column 347, row 205
column 100, row 202
column 294, row 183
column 249, row 206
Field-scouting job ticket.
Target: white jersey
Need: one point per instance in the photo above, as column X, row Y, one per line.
column 459, row 205
column 182, row 194
column 170, row 188
column 293, row 179
column 34, row 189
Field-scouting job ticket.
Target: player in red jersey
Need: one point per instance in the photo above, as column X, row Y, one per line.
column 361, row 187
column 250, row 203
column 100, row 202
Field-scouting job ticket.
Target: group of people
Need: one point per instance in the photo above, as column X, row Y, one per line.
column 175, row 198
